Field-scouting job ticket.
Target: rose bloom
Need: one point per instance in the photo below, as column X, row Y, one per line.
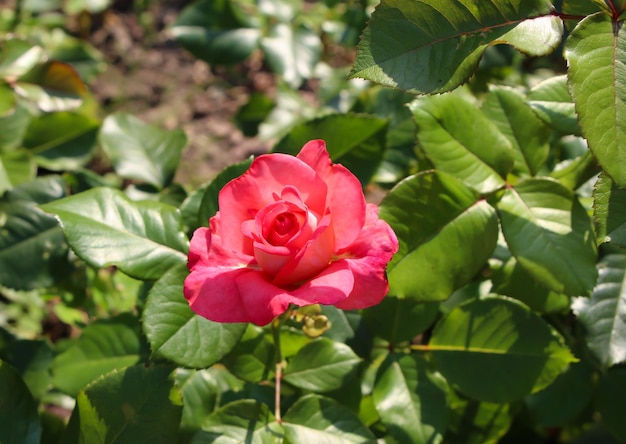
column 290, row 230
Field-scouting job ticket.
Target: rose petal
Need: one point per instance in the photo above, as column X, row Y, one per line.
column 267, row 176
column 367, row 259
column 345, row 199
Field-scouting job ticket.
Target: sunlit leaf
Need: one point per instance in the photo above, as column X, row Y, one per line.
column 609, row 214
column 552, row 102
column 497, row 350
column 143, row 239
column 17, row 57
column 604, row 313
column 595, row 54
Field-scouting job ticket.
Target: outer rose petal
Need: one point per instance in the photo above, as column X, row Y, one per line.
column 264, row 301
column 369, row 257
column 267, row 176
column 345, row 194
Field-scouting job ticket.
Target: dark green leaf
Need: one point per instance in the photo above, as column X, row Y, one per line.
column 321, row 366
column 245, row 421
column 136, row 404
column 550, row 235
column 596, row 89
column 528, row 135
column 577, row 172
column 609, row 203
column 105, row 228
column 177, row 333
column 208, row 205
column 461, row 141
column 446, row 234
column 397, row 320
column 250, row 115
column 497, row 350
column 435, row 45
column 32, row 358
column 411, row 399
column 61, row 141
column 19, row 421
column 610, row 402
column 142, row 152
column 603, row 313
column 105, row 345
column 200, row 395
column 252, row 359
column 354, row 140
column 552, row 102
column 317, row 419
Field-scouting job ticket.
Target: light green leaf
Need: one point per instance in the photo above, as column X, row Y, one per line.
column 105, row 345
column 175, row 332
column 7, row 100
column 435, row 45
column 313, row 418
column 142, row 152
column 200, row 396
column 292, row 52
column 604, row 314
column 354, row 140
column 321, row 366
column 135, row 404
column 609, row 204
column 497, row 350
column 13, row 128
column 433, row 214
column 19, row 420
column 61, row 141
column 238, row 422
column 462, row 141
column 552, row 102
column 105, row 228
column 411, row 399
column 16, row 167
column 528, row 135
column 597, row 70
column 17, row 57
column 550, row 235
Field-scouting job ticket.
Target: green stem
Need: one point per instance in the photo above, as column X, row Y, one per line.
column 277, row 323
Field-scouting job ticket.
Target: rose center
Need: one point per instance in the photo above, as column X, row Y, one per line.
column 284, row 224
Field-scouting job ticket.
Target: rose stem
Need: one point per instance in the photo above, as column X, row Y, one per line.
column 278, row 357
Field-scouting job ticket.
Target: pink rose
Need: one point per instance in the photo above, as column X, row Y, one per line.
column 290, row 230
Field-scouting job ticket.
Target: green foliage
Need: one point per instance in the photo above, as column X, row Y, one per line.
column 505, row 315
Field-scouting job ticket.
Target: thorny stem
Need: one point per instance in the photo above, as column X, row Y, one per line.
column 277, row 323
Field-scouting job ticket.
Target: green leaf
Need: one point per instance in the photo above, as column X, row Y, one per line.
column 460, row 140
column 19, row 420
column 497, row 350
column 552, row 102
column 32, row 358
column 209, row 204
column 200, row 395
column 61, row 141
column 528, row 135
column 142, row 152
column 212, row 31
column 435, row 45
column 511, row 279
column 292, row 52
column 252, row 359
column 105, row 345
column 550, row 235
column 354, row 140
column 610, row 397
column 604, row 313
column 33, row 251
column 92, row 6
column 17, row 57
column 13, row 128
column 411, row 399
column 434, row 214
column 563, row 401
column 321, row 366
column 135, row 404
column 16, row 167
column 596, row 88
column 609, row 203
column 105, row 228
column 398, row 320
column 7, row 100
column 252, row 113
column 473, row 422
column 240, row 421
column 175, row 332
column 314, row 418
column 52, row 86
column 577, row 172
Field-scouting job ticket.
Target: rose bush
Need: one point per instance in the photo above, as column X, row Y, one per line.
column 291, row 230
